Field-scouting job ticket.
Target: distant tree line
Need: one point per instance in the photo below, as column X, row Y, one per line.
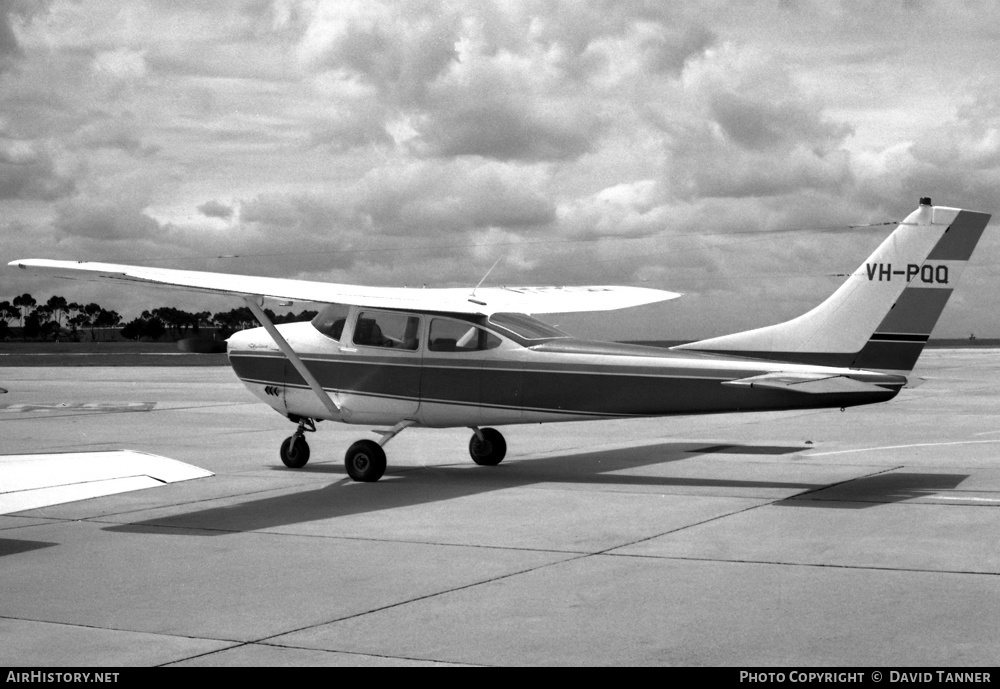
column 58, row 319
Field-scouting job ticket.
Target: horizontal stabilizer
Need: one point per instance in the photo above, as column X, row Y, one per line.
column 482, row 300
column 812, row 384
column 31, row 481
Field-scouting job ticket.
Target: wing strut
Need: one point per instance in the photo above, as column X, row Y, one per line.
column 287, row 350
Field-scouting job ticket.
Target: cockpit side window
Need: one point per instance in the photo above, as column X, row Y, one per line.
column 330, row 321
column 447, row 335
column 390, row 330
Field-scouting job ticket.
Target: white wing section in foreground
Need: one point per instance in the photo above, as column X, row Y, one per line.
column 484, row 300
column 31, row 481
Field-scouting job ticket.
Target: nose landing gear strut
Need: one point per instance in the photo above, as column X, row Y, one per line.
column 295, row 449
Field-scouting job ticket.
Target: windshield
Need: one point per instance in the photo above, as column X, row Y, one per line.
column 525, row 327
column 330, row 321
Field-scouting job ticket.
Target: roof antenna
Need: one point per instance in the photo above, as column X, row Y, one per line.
column 486, row 276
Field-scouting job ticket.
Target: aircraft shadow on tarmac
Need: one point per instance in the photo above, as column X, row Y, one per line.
column 10, row 546
column 407, row 487
column 876, row 490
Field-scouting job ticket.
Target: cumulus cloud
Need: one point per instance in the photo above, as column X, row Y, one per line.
column 759, row 134
column 349, row 129
column 215, row 209
column 121, row 64
column 104, row 220
column 8, row 40
column 435, row 198
column 13, row 13
column 120, row 132
column 28, row 171
column 627, row 209
column 666, row 51
column 508, row 81
column 397, row 47
column 496, row 111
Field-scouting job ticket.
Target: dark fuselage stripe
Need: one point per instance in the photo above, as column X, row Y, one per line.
column 591, row 369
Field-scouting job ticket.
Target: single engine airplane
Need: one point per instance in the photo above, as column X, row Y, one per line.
column 437, row 358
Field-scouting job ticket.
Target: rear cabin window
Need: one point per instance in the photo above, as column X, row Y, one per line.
column 330, row 321
column 389, row 330
column 457, row 336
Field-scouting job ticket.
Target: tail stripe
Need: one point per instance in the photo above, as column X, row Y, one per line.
column 916, row 311
column 889, row 355
column 958, row 241
column 898, row 337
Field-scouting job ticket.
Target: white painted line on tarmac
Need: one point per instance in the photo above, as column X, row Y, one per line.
column 901, row 447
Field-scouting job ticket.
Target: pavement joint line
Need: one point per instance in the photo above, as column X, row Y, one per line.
column 816, row 565
column 417, row 599
column 767, row 503
column 323, row 650
column 202, row 406
column 77, row 625
column 887, row 470
column 236, row 643
column 607, row 551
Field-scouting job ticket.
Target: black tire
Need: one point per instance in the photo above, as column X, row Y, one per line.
column 489, row 451
column 295, row 452
column 365, row 461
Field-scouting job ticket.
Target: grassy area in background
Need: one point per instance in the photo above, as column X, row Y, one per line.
column 103, row 354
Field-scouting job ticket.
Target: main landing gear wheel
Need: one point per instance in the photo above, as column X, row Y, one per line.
column 365, row 461
column 295, row 452
column 490, row 450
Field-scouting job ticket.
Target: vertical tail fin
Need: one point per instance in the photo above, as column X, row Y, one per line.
column 882, row 316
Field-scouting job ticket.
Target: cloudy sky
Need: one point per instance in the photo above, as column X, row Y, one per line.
column 720, row 149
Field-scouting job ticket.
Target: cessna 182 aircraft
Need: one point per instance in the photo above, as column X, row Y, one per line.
column 403, row 357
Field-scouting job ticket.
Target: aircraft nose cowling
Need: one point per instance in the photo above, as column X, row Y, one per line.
column 237, row 340
column 252, row 339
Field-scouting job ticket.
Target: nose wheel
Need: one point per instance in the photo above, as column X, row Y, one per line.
column 295, row 450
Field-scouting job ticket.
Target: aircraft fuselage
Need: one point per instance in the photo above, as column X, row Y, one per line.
column 514, row 380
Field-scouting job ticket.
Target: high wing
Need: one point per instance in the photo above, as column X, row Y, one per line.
column 32, row 481
column 483, row 300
